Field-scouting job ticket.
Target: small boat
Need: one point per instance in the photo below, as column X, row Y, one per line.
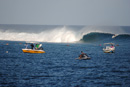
column 109, row 48
column 33, row 49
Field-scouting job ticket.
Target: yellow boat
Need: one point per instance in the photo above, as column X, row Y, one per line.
column 32, row 51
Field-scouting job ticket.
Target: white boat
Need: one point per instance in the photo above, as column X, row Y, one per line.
column 109, row 48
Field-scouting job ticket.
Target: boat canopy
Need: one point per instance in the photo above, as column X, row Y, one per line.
column 108, row 43
column 32, row 42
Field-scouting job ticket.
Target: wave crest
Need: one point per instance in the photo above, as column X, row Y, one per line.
column 104, row 37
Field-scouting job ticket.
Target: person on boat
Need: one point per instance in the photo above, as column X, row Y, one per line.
column 112, row 46
column 82, row 54
column 26, row 46
column 41, row 48
column 32, row 46
column 37, row 46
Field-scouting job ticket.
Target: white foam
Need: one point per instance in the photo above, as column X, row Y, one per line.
column 55, row 35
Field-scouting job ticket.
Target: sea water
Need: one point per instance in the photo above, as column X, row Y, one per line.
column 59, row 68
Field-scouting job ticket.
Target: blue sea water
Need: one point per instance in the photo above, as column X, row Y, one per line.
column 59, row 68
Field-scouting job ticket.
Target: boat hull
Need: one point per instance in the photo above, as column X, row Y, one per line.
column 109, row 50
column 32, row 51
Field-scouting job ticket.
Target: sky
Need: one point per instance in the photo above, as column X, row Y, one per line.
column 65, row 12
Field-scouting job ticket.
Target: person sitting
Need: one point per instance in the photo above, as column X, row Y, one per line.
column 82, row 54
column 41, row 48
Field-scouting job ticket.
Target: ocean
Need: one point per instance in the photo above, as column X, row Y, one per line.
column 58, row 66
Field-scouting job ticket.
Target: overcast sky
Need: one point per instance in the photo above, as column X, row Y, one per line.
column 65, row 12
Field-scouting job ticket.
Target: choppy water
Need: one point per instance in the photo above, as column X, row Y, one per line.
column 59, row 68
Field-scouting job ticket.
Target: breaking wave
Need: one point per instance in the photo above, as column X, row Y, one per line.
column 58, row 33
column 53, row 35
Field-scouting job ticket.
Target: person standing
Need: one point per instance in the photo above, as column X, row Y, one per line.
column 32, row 46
